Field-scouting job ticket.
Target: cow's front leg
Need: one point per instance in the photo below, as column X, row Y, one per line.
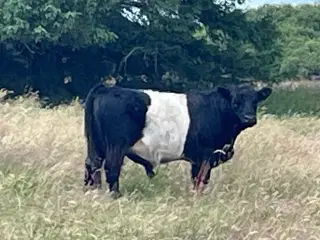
column 195, row 168
column 207, row 177
column 216, row 158
column 229, row 152
column 200, row 172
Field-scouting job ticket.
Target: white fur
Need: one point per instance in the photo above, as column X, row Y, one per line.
column 166, row 128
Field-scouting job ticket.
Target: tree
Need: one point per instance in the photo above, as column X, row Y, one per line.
column 299, row 39
column 173, row 44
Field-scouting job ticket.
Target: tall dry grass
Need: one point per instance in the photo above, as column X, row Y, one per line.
column 270, row 190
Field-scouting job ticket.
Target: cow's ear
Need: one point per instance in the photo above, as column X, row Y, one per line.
column 264, row 93
column 224, row 92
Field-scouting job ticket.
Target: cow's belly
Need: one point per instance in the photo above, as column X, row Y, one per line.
column 166, row 128
column 155, row 153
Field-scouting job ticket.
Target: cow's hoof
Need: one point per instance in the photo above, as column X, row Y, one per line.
column 95, row 186
column 115, row 194
column 85, row 188
column 192, row 189
column 198, row 189
column 201, row 188
column 150, row 174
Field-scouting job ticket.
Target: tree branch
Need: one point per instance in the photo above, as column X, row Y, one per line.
column 171, row 48
column 130, row 3
column 124, row 60
column 28, row 48
column 156, row 61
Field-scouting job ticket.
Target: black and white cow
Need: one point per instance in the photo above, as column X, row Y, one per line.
column 152, row 127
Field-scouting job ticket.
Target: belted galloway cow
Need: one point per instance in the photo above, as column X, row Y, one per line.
column 152, row 128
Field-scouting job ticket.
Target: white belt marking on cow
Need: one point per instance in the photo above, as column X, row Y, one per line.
column 166, row 128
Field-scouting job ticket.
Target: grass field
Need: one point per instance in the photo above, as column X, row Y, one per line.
column 270, row 190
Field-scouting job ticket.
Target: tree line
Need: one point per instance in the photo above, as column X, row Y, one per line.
column 62, row 48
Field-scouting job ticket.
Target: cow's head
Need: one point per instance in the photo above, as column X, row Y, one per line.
column 244, row 100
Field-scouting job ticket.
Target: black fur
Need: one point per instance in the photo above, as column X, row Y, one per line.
column 217, row 118
column 114, row 120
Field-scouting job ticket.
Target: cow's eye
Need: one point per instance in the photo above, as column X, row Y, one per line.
column 236, row 104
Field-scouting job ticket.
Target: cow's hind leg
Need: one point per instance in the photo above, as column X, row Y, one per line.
column 112, row 167
column 93, row 172
column 147, row 165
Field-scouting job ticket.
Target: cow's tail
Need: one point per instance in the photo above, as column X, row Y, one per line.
column 92, row 132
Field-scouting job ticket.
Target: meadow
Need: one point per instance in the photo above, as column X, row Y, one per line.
column 269, row 190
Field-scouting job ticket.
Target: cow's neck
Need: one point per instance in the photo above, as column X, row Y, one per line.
column 233, row 128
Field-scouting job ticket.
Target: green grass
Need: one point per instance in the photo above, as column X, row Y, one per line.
column 303, row 101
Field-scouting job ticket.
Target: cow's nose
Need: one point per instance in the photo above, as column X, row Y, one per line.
column 250, row 118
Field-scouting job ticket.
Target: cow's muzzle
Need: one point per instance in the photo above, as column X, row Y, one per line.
column 249, row 120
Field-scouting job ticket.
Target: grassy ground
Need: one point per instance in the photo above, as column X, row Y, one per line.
column 270, row 190
column 302, row 100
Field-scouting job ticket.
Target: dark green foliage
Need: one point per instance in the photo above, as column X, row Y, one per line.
column 63, row 47
column 172, row 44
column 299, row 39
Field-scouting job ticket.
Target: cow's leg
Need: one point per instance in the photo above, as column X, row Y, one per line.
column 207, row 177
column 229, row 150
column 214, row 160
column 93, row 172
column 201, row 163
column 112, row 167
column 147, row 165
column 195, row 168
column 93, row 165
column 199, row 159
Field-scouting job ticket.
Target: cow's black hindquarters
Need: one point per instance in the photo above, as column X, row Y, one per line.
column 112, row 167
